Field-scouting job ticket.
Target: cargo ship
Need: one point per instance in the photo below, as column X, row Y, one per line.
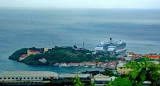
column 111, row 47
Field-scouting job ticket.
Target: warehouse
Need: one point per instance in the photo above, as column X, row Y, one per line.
column 27, row 76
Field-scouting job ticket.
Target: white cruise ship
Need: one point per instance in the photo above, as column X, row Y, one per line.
column 111, row 47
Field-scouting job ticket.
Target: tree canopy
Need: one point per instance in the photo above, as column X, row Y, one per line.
column 145, row 70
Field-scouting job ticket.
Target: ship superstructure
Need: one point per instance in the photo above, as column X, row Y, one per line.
column 111, row 47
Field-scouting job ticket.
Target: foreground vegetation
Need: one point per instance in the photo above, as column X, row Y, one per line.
column 145, row 70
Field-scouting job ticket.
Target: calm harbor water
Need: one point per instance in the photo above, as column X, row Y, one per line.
column 20, row 28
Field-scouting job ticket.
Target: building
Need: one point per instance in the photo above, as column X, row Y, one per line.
column 27, row 76
column 29, row 52
column 152, row 56
column 102, row 80
column 111, row 65
column 88, row 64
column 45, row 49
column 43, row 60
column 100, row 64
column 122, row 69
column 73, row 64
column 22, row 57
column 33, row 52
column 63, row 65
column 131, row 56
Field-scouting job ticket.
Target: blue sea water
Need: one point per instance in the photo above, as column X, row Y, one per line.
column 20, row 28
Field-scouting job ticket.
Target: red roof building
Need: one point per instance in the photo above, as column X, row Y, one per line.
column 154, row 57
column 22, row 57
column 30, row 52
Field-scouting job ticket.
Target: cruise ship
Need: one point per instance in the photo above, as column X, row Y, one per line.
column 111, row 47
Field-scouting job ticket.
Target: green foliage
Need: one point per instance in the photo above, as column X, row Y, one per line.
column 143, row 75
column 34, row 60
column 58, row 55
column 77, row 81
column 144, row 70
column 108, row 72
column 18, row 53
column 92, row 83
column 121, row 82
column 111, row 58
column 101, row 57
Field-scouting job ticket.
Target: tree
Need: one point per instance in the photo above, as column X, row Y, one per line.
column 77, row 81
column 92, row 83
column 108, row 72
column 145, row 70
column 18, row 53
column 121, row 82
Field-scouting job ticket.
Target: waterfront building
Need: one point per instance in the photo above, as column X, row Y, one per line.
column 63, row 65
column 57, row 64
column 88, row 64
column 23, row 76
column 22, row 57
column 111, row 65
column 100, row 64
column 73, row 64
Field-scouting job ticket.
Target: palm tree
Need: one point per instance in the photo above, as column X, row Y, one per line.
column 145, row 70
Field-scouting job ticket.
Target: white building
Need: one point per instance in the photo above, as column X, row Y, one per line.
column 43, row 60
column 14, row 76
column 102, row 80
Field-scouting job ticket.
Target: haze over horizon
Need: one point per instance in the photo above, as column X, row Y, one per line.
column 129, row 4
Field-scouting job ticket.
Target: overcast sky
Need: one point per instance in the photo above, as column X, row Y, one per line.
column 137, row 4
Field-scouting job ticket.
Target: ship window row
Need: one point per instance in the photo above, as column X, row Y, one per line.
column 21, row 78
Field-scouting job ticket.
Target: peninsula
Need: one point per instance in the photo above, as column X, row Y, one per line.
column 58, row 54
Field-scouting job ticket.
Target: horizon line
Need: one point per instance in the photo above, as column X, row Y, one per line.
column 77, row 8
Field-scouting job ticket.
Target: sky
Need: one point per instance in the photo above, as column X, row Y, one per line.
column 135, row 4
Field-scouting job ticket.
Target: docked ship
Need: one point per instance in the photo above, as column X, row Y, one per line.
column 111, row 47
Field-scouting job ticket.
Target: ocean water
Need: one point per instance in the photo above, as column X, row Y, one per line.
column 20, row 28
